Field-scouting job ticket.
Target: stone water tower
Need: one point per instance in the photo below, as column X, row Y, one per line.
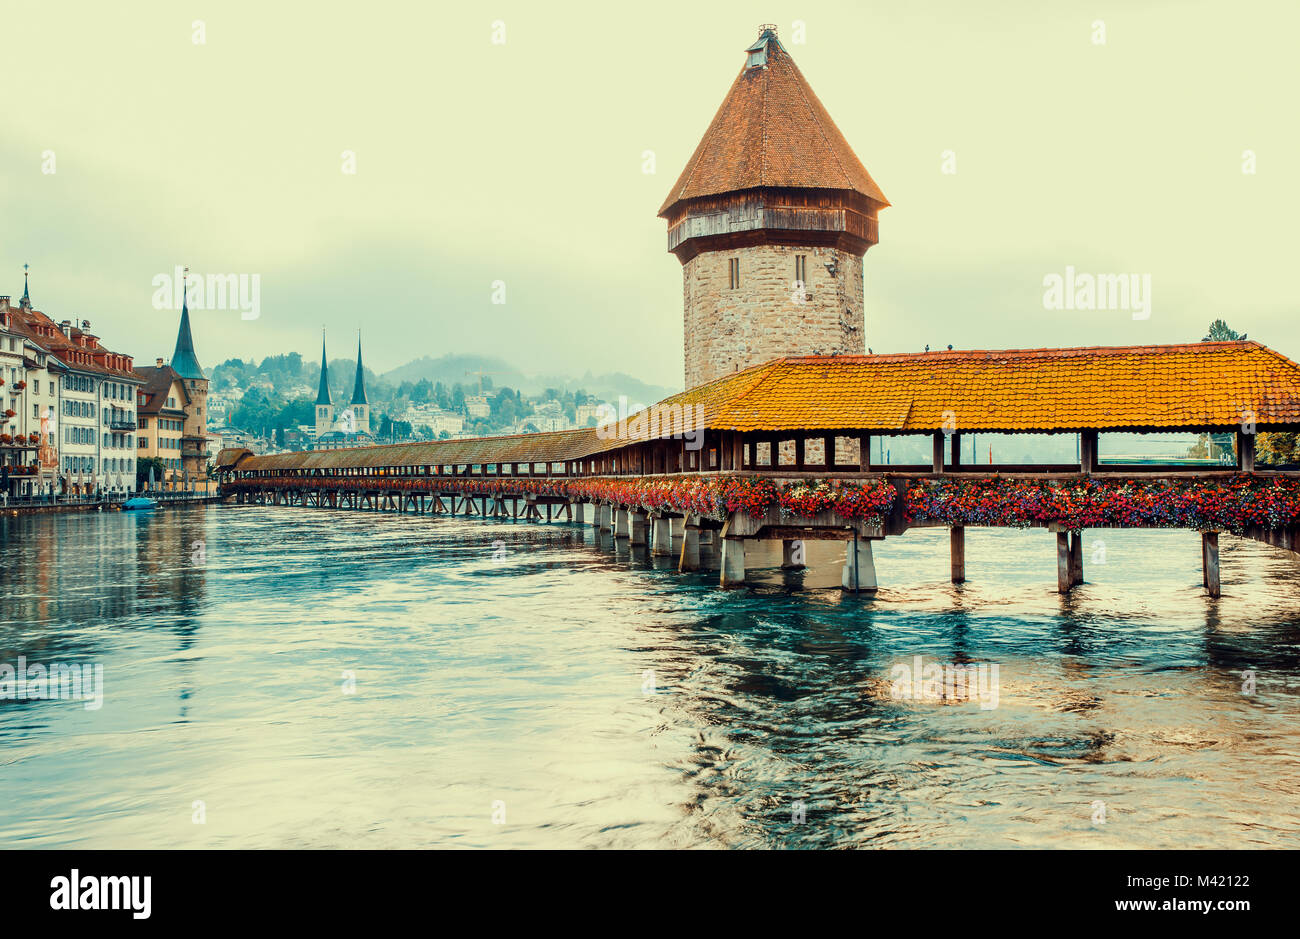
column 771, row 218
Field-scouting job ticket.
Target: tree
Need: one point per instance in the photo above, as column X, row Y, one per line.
column 142, row 467
column 1221, row 332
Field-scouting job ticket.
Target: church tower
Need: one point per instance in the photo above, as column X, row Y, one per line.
column 324, row 403
column 360, row 406
column 771, row 219
column 185, row 362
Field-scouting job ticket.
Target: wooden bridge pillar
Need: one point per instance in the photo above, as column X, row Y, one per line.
column 1245, row 453
column 637, row 535
column 576, row 512
column 661, row 545
column 1210, row 562
column 1063, row 581
column 690, row 554
column 733, row 562
column 792, row 555
column 957, row 550
column 1076, row 558
column 621, row 527
column 859, row 573
column 606, row 514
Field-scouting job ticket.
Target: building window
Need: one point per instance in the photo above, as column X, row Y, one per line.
column 801, row 269
column 734, row 265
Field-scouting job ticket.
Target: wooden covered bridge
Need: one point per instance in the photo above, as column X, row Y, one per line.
column 783, row 451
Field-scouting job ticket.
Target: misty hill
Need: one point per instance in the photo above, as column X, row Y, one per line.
column 452, row 368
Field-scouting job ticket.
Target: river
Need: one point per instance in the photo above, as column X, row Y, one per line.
column 290, row 677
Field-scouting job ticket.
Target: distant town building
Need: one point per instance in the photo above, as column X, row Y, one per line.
column 477, row 406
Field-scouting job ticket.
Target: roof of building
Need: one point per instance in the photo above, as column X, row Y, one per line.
column 78, row 349
column 323, row 394
column 771, row 131
column 184, row 360
column 1160, row 387
column 359, row 385
column 1194, row 386
column 158, row 381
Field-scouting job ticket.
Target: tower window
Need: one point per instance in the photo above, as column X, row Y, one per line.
column 801, row 268
column 734, row 266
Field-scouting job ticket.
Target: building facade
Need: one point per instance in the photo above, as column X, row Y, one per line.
column 29, row 407
column 771, row 219
column 90, row 438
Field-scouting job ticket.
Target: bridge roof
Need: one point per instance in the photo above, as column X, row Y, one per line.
column 1191, row 386
column 1194, row 386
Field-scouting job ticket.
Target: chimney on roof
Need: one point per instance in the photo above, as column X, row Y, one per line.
column 85, row 326
column 4, row 303
column 159, row 361
column 66, row 326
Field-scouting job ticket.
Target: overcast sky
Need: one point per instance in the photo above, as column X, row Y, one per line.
column 523, row 162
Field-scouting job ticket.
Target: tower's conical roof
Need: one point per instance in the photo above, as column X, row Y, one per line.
column 359, row 386
column 323, row 395
column 184, row 361
column 771, row 131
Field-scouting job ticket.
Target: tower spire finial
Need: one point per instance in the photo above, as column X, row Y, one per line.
column 26, row 301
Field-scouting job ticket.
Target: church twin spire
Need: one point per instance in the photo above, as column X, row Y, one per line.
column 323, row 395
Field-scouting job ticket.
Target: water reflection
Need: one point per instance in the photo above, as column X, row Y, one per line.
column 609, row 701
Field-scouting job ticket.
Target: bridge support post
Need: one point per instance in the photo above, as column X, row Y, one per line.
column 621, row 527
column 1063, row 568
column 577, row 512
column 733, row 562
column 1210, row 562
column 859, row 573
column 957, row 550
column 792, row 555
column 690, row 554
column 1076, row 558
column 638, row 532
column 662, row 543
column 606, row 512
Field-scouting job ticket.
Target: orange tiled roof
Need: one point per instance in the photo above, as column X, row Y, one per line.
column 1191, row 386
column 772, row 131
column 91, row 357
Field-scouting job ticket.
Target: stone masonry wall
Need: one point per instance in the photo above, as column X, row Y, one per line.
column 730, row 329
